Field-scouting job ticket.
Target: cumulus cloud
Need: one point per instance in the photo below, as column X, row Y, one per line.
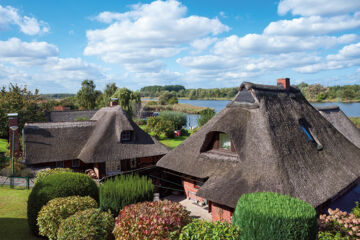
column 17, row 52
column 265, row 44
column 317, row 7
column 140, row 38
column 314, row 25
column 28, row 25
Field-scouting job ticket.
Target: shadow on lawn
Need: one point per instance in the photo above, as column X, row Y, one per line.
column 16, row 229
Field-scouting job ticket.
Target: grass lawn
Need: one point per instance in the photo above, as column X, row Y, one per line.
column 170, row 142
column 356, row 121
column 13, row 219
column 3, row 145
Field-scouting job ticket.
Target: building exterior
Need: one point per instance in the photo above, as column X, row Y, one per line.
column 269, row 138
column 110, row 143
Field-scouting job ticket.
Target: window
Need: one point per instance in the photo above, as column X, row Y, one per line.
column 133, row 163
column 60, row 164
column 224, row 141
column 307, row 133
column 126, row 136
column 305, row 126
column 75, row 163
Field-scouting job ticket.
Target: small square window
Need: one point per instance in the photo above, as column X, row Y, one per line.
column 75, row 163
column 225, row 142
column 126, row 136
column 60, row 164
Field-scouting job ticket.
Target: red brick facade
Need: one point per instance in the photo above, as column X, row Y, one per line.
column 218, row 212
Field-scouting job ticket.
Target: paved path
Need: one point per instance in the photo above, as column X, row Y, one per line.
column 20, row 182
column 196, row 210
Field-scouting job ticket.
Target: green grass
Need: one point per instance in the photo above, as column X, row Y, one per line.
column 356, row 121
column 170, row 142
column 3, row 145
column 13, row 219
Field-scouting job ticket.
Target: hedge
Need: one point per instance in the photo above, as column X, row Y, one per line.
column 57, row 210
column 124, row 190
column 44, row 173
column 266, row 215
column 58, row 185
column 90, row 224
column 200, row 229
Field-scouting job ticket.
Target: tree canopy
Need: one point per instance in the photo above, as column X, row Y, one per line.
column 87, row 95
column 127, row 99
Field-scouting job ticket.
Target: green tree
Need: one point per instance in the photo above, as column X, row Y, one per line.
column 177, row 118
column 205, row 116
column 166, row 96
column 127, row 99
column 104, row 99
column 348, row 94
column 87, row 95
column 22, row 101
column 158, row 126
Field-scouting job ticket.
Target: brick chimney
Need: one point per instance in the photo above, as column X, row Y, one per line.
column 13, row 121
column 113, row 102
column 285, row 82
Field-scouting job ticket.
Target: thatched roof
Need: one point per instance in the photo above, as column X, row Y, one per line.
column 97, row 140
column 342, row 123
column 69, row 116
column 272, row 152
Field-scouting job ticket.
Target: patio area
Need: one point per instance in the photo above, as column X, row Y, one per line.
column 196, row 210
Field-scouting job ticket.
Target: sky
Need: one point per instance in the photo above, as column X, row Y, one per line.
column 54, row 45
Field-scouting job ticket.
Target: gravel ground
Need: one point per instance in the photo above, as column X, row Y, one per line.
column 20, row 182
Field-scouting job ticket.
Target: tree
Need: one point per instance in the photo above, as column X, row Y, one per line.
column 165, row 98
column 87, row 95
column 127, row 99
column 104, row 99
column 205, row 115
column 22, row 101
column 177, row 118
column 158, row 126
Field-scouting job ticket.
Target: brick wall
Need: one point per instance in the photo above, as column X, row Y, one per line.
column 221, row 212
column 191, row 190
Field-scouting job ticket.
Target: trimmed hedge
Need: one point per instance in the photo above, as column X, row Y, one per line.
column 125, row 190
column 90, row 224
column 57, row 210
column 44, row 173
column 200, row 229
column 58, row 185
column 151, row 220
column 266, row 215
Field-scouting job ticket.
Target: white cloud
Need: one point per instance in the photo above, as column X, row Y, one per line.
column 318, row 7
column 148, row 33
column 265, row 44
column 17, row 52
column 314, row 25
column 28, row 25
column 348, row 56
column 202, row 44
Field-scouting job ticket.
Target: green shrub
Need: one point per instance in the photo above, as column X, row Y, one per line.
column 90, row 224
column 200, row 229
column 331, row 236
column 27, row 172
column 159, row 126
column 57, row 210
column 43, row 173
column 205, row 116
column 124, row 190
column 266, row 215
column 356, row 210
column 177, row 118
column 151, row 221
column 58, row 185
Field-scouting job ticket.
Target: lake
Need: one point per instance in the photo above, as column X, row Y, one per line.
column 350, row 109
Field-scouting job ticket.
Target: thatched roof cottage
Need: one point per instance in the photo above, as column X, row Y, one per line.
column 110, row 142
column 269, row 138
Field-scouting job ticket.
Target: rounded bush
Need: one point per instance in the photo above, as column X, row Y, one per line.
column 266, row 215
column 125, row 190
column 200, row 229
column 44, row 173
column 57, row 210
column 90, row 224
column 58, row 185
column 151, row 220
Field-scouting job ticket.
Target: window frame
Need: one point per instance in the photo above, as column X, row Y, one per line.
column 126, row 136
column 58, row 165
column 75, row 161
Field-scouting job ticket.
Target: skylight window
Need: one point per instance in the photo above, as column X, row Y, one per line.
column 306, row 128
column 307, row 133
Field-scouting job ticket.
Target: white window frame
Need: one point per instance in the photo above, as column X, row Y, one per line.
column 126, row 136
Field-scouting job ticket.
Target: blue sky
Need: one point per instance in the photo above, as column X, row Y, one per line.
column 54, row 45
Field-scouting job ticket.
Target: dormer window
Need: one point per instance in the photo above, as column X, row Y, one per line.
column 126, row 136
column 218, row 141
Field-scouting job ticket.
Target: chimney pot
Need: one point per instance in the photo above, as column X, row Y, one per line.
column 284, row 82
column 113, row 102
